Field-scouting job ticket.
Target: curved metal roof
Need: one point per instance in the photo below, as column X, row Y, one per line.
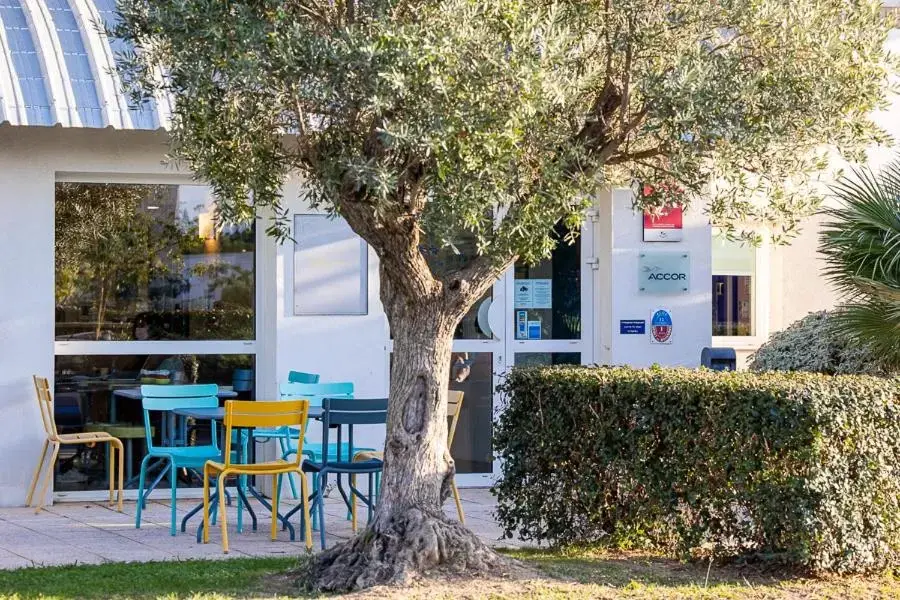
column 58, row 67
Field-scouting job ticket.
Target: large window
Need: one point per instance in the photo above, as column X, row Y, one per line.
column 733, row 281
column 149, row 289
column 147, row 262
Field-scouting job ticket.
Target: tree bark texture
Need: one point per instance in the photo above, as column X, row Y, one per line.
column 410, row 537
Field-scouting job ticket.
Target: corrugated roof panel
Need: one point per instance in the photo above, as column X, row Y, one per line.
column 58, row 67
column 78, row 65
column 25, row 60
column 144, row 116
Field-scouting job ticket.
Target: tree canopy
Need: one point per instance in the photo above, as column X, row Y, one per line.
column 454, row 112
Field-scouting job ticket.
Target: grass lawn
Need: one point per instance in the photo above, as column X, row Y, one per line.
column 581, row 575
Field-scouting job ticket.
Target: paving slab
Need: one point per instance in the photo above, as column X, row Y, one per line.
column 93, row 532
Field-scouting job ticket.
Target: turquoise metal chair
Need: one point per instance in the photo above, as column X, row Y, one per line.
column 164, row 399
column 282, row 434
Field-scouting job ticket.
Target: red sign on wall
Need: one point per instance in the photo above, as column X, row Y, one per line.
column 665, row 226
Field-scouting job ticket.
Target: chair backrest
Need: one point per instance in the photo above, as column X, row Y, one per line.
column 301, row 377
column 315, row 392
column 282, row 413
column 166, row 398
column 45, row 404
column 454, row 407
column 351, row 411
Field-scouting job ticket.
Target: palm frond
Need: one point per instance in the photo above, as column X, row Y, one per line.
column 861, row 245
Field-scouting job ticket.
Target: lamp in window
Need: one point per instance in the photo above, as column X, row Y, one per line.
column 206, row 226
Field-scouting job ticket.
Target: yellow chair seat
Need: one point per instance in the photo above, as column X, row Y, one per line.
column 269, row 468
column 76, row 438
column 120, row 431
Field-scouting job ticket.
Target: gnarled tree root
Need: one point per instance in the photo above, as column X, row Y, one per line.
column 408, row 546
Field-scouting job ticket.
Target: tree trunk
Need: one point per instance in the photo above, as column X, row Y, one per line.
column 410, row 536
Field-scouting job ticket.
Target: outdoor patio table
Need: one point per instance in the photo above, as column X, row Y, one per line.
column 134, row 393
column 218, row 414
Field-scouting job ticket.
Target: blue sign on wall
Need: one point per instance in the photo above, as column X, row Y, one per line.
column 632, row 327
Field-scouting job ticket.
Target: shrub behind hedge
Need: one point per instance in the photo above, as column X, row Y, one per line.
column 799, row 466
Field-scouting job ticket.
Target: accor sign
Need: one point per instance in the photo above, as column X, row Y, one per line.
column 664, row 272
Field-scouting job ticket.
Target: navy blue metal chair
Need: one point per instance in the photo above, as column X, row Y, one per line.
column 342, row 413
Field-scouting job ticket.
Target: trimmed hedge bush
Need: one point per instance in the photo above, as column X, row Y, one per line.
column 795, row 466
column 813, row 344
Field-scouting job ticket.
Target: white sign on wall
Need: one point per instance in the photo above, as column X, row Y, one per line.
column 534, row 293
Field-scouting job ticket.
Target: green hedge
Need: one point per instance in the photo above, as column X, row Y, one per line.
column 796, row 466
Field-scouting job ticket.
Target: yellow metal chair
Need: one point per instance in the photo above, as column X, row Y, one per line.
column 55, row 440
column 248, row 415
column 454, row 407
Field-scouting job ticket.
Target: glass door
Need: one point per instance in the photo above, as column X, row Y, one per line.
column 476, row 361
column 549, row 306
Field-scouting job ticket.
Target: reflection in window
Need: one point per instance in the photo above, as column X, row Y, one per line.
column 734, row 269
column 147, row 262
column 472, row 373
column 442, row 260
column 547, row 296
column 732, row 305
column 88, row 396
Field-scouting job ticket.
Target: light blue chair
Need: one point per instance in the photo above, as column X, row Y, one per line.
column 164, row 399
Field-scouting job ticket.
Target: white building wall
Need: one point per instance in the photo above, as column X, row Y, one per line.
column 29, row 162
column 620, row 242
column 338, row 348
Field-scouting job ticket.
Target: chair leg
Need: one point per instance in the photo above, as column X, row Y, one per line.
column 371, row 500
column 459, row 509
column 121, row 477
column 223, row 519
column 49, row 477
column 205, row 505
column 353, row 503
column 37, row 472
column 307, row 521
column 111, row 464
column 285, row 449
column 275, row 479
column 315, row 491
column 321, row 511
column 142, row 480
column 173, row 479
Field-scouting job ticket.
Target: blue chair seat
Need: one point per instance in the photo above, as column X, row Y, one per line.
column 189, row 456
column 363, row 466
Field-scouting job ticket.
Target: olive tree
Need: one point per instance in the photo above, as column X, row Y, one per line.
column 493, row 121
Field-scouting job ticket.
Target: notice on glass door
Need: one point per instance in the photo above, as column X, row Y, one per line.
column 533, row 293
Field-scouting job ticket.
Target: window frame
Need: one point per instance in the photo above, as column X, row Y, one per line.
column 365, row 264
column 132, row 347
column 759, row 299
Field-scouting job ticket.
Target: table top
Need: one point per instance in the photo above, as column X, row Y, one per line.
column 135, row 393
column 218, row 414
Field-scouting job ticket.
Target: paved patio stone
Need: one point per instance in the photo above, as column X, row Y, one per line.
column 92, row 532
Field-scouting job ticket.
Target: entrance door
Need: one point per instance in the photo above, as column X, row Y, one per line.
column 538, row 315
column 549, row 306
